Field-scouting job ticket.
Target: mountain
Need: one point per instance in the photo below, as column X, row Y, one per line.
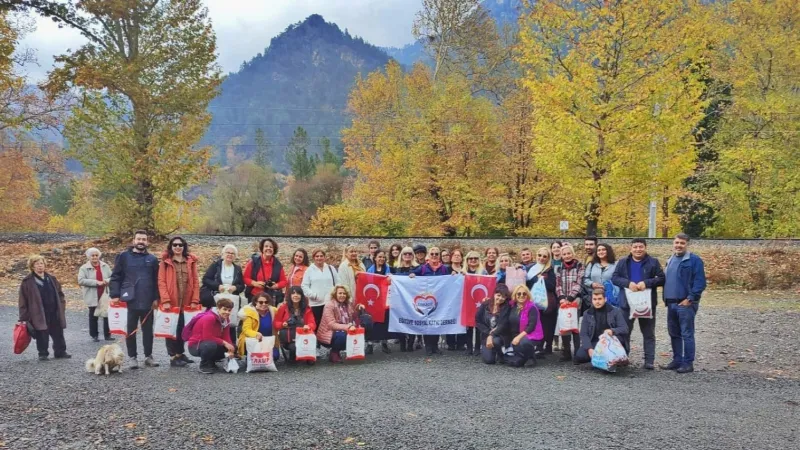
column 302, row 79
column 502, row 11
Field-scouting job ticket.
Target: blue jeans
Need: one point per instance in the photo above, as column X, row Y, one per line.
column 338, row 341
column 680, row 323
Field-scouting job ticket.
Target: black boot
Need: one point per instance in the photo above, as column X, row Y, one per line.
column 566, row 354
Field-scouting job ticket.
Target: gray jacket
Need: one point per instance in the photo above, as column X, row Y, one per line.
column 595, row 273
column 87, row 280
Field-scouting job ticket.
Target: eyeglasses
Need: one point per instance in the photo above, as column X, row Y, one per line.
column 177, row 245
column 472, row 259
column 542, row 256
column 262, row 302
column 434, row 254
column 409, row 254
column 521, row 294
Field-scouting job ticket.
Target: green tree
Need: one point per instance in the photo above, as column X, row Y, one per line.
column 301, row 164
column 328, row 157
column 146, row 76
column 262, row 156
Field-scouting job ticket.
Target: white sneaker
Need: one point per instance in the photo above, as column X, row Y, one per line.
column 133, row 363
column 322, row 353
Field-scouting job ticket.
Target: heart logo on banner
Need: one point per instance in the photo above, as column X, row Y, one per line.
column 425, row 304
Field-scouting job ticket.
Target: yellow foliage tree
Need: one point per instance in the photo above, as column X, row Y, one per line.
column 616, row 99
column 759, row 136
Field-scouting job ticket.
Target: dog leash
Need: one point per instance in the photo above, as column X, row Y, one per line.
column 139, row 326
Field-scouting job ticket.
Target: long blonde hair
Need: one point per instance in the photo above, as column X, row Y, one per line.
column 406, row 250
column 549, row 259
column 521, row 288
column 473, row 254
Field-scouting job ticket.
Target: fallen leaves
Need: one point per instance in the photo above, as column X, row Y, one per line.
column 172, row 390
column 560, row 377
column 349, row 440
column 208, row 439
column 140, row 440
column 130, row 425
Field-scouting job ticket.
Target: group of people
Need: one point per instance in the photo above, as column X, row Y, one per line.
column 312, row 295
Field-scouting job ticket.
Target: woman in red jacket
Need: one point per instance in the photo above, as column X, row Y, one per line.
column 211, row 337
column 265, row 272
column 291, row 315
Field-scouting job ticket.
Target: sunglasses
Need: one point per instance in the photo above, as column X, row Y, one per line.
column 262, row 302
column 542, row 256
column 409, row 254
column 472, row 259
column 434, row 254
column 521, row 294
column 177, row 245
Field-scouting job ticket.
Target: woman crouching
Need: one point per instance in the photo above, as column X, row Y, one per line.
column 338, row 317
column 211, row 337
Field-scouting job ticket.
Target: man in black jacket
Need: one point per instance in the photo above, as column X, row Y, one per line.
column 601, row 319
column 637, row 272
column 134, row 281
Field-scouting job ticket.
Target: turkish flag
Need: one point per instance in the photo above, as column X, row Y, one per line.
column 476, row 289
column 371, row 291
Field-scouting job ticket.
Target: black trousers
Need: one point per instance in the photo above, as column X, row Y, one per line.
column 54, row 331
column 431, row 342
column 176, row 346
column 135, row 317
column 524, row 351
column 573, row 338
column 549, row 327
column 93, row 332
column 582, row 356
column 209, row 352
column 648, row 329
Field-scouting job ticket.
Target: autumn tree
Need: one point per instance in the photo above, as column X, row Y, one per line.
column 617, row 100
column 421, row 156
column 246, row 200
column 262, row 155
column 758, row 139
column 145, row 77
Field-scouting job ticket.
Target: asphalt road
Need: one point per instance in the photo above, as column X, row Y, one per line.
column 392, row 401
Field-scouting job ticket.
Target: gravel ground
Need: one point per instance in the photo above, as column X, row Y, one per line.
column 405, row 401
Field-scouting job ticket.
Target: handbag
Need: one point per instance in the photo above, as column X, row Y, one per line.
column 102, row 306
column 22, row 338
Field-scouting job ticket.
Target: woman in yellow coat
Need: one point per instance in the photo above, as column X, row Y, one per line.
column 256, row 320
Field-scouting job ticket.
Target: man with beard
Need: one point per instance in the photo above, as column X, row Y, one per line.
column 135, row 282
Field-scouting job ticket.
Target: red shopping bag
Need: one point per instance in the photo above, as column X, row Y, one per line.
column 21, row 338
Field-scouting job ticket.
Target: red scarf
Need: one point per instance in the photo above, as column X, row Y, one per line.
column 99, row 277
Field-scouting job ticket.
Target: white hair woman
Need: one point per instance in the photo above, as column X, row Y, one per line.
column 93, row 279
column 223, row 276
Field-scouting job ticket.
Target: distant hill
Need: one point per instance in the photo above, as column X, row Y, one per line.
column 302, row 79
column 502, row 11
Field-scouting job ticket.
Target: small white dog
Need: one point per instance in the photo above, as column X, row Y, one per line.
column 108, row 358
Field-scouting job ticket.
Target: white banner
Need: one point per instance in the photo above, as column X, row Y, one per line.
column 426, row 305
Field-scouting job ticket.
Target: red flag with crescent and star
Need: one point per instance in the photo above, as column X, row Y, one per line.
column 476, row 289
column 371, row 291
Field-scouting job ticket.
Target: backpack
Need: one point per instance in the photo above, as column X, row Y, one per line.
column 612, row 293
column 186, row 334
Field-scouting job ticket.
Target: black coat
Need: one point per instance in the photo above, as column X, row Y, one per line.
column 652, row 273
column 212, row 280
column 137, row 275
column 483, row 320
column 616, row 323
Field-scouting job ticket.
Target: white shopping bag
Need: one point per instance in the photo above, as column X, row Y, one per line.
column 231, row 365
column 609, row 354
column 568, row 318
column 259, row 354
column 539, row 294
column 165, row 324
column 305, row 345
column 355, row 344
column 236, row 304
column 640, row 303
column 118, row 319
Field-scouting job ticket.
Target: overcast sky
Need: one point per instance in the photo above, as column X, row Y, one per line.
column 245, row 27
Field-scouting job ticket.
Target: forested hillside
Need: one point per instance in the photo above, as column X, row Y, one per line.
column 302, row 79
